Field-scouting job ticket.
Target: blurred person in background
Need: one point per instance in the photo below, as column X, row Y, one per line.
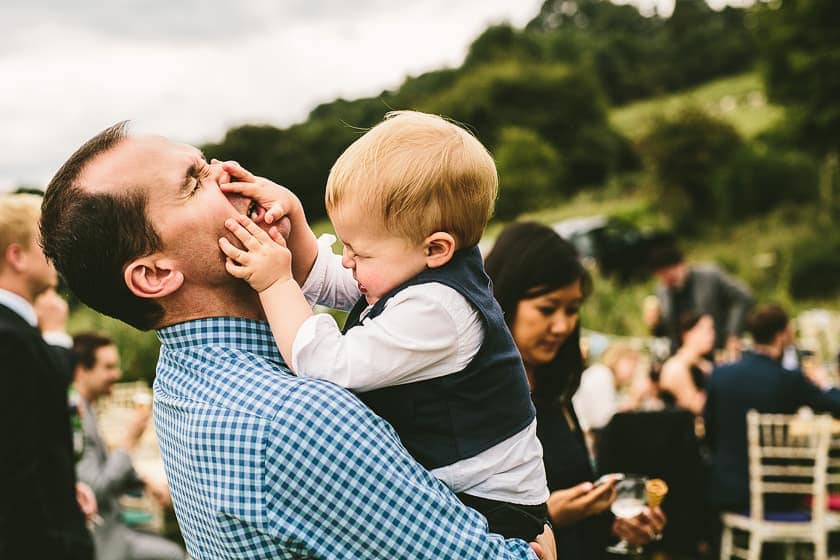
column 611, row 385
column 682, row 381
column 704, row 288
column 541, row 285
column 43, row 509
column 757, row 381
column 111, row 474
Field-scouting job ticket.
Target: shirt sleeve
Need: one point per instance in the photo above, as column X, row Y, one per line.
column 358, row 494
column 424, row 332
column 329, row 283
column 740, row 302
column 595, row 399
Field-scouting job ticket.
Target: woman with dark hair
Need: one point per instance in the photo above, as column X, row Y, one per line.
column 682, row 381
column 541, row 285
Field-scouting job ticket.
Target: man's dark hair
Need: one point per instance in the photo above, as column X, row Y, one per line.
column 90, row 236
column 766, row 322
column 85, row 346
column 664, row 256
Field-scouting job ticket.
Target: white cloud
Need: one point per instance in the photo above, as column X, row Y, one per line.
column 71, row 78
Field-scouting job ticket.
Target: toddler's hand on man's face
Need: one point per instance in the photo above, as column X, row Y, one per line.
column 264, row 260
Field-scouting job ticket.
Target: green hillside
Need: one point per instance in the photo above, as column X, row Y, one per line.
column 739, row 100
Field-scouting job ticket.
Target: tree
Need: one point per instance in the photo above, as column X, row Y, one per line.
column 799, row 46
column 687, row 154
column 530, row 172
column 800, row 52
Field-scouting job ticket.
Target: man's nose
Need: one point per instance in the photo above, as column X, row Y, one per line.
column 217, row 174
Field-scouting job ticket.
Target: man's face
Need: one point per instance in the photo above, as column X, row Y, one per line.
column 185, row 205
column 105, row 372
column 672, row 276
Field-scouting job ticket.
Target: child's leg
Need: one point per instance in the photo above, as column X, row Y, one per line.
column 512, row 521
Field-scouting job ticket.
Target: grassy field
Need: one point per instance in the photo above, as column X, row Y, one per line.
column 740, row 100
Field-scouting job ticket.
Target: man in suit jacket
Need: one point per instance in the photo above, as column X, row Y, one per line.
column 702, row 288
column 40, row 515
column 757, row 381
column 112, row 474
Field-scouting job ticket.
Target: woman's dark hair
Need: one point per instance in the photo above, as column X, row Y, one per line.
column 530, row 260
column 688, row 320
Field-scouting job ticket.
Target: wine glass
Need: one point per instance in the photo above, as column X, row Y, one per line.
column 630, row 501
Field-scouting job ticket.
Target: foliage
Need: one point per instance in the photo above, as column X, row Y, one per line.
column 760, row 178
column 686, row 155
column 800, row 57
column 138, row 350
column 816, row 266
column 614, row 307
column 738, row 100
column 636, row 56
column 530, row 171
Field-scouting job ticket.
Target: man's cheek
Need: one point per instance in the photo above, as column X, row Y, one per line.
column 284, row 227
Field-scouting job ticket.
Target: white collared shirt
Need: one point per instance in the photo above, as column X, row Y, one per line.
column 19, row 305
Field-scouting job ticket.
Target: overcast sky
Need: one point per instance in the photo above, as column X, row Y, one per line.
column 191, row 69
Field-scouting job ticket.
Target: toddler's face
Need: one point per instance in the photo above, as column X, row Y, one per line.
column 380, row 261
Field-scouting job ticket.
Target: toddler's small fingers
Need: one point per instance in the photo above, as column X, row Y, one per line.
column 275, row 235
column 234, row 269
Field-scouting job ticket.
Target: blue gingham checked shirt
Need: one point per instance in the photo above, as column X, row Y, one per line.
column 263, row 464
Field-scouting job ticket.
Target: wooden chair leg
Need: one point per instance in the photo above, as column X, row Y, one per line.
column 821, row 548
column 755, row 546
column 726, row 544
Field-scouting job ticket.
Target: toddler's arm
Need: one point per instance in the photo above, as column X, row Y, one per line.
column 278, row 202
column 266, row 264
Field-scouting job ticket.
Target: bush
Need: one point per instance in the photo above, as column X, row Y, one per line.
column 687, row 154
column 530, row 171
column 816, row 267
column 760, row 179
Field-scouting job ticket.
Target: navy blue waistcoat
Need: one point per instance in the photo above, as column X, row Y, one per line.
column 446, row 419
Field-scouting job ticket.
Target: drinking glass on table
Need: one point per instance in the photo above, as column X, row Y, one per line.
column 630, row 501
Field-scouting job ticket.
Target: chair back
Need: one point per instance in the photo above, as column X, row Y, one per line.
column 788, row 455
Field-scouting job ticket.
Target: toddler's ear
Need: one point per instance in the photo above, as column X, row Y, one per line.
column 152, row 277
column 439, row 248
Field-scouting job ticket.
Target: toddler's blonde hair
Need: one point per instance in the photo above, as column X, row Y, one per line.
column 418, row 174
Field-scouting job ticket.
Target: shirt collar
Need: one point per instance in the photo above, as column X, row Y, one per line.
column 19, row 306
column 247, row 335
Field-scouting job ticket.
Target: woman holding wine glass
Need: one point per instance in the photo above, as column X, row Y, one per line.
column 541, row 285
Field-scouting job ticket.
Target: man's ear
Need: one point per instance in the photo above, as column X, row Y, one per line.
column 439, row 248
column 14, row 257
column 153, row 277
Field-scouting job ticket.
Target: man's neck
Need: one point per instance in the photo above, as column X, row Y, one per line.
column 197, row 302
column 773, row 351
column 84, row 392
column 16, row 286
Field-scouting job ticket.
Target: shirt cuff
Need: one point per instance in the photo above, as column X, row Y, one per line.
column 306, row 334
column 58, row 338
